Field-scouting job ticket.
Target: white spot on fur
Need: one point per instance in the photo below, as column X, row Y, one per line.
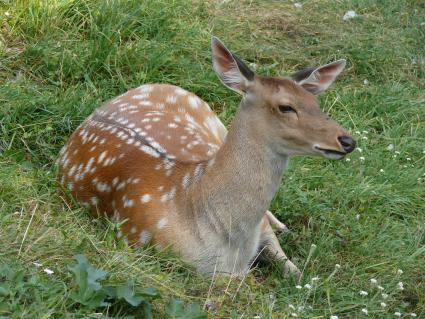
column 162, row 223
column 172, row 99
column 145, row 237
column 102, row 156
column 145, row 198
column 150, row 151
column 94, row 200
column 186, row 180
column 193, row 101
column 168, row 196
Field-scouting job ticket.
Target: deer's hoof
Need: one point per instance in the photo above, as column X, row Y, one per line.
column 290, row 269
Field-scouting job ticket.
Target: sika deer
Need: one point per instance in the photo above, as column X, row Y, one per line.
column 159, row 158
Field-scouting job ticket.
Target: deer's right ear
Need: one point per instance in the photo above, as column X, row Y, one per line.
column 229, row 68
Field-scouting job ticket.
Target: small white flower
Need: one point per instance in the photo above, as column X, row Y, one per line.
column 384, row 295
column 337, row 266
column 408, row 158
column 48, row 271
column 373, row 281
column 298, row 287
column 350, row 14
column 300, row 308
column 365, row 132
column 364, row 137
column 37, row 264
column 253, row 66
column 298, row 5
column 257, row 317
column 363, row 293
column 359, row 149
column 291, row 306
column 357, row 132
column 361, row 158
column 333, row 317
column 365, row 82
column 364, row 310
column 294, row 314
column 390, row 147
column 381, row 170
column 380, row 288
column 397, row 314
column 307, row 286
column 412, row 314
column 400, row 286
column 347, row 160
column 358, row 216
column 317, row 278
column 399, row 272
column 383, row 304
column 397, row 152
column 7, row 13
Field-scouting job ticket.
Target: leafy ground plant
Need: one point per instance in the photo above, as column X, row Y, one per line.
column 61, row 59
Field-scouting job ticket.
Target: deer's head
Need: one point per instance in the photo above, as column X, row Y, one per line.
column 285, row 110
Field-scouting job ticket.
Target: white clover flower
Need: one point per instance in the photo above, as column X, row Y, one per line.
column 365, row 82
column 298, row 287
column 381, row 170
column 48, row 271
column 298, row 5
column 380, row 288
column 412, row 314
column 357, row 132
column 337, row 266
column 390, row 147
column 333, row 317
column 7, row 13
column 364, row 137
column 365, row 132
column 397, row 152
column 291, row 306
column 294, row 314
column 363, row 293
column 399, row 272
column 361, row 158
column 37, row 264
column 358, row 216
column 364, row 310
column 384, row 295
column 307, row 286
column 400, row 286
column 347, row 160
column 300, row 308
column 408, row 158
column 317, row 278
column 373, row 281
column 397, row 314
column 383, row 304
column 359, row 149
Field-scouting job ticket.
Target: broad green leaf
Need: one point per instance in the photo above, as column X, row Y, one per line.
column 175, row 308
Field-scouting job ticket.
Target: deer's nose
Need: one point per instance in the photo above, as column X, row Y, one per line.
column 347, row 143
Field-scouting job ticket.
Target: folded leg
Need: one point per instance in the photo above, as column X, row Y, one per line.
column 271, row 249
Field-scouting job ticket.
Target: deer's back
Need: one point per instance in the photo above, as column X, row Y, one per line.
column 137, row 157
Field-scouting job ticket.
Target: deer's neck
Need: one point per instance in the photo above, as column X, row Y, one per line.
column 237, row 189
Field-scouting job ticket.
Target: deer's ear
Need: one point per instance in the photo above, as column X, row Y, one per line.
column 317, row 80
column 229, row 68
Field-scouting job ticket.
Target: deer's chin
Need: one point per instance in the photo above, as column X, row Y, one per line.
column 329, row 153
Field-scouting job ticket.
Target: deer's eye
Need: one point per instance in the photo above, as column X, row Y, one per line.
column 286, row 109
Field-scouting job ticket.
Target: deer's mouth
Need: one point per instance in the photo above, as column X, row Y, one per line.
column 331, row 154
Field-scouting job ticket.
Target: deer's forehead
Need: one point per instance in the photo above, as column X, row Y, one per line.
column 285, row 90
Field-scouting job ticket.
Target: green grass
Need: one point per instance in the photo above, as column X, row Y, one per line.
column 61, row 59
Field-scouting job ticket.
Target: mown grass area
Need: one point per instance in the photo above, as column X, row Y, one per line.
column 61, row 59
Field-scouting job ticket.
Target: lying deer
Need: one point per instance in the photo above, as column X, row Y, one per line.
column 160, row 159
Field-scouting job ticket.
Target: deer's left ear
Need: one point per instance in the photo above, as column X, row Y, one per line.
column 317, row 80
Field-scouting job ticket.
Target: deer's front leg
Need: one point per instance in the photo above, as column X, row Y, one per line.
column 281, row 227
column 271, row 249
